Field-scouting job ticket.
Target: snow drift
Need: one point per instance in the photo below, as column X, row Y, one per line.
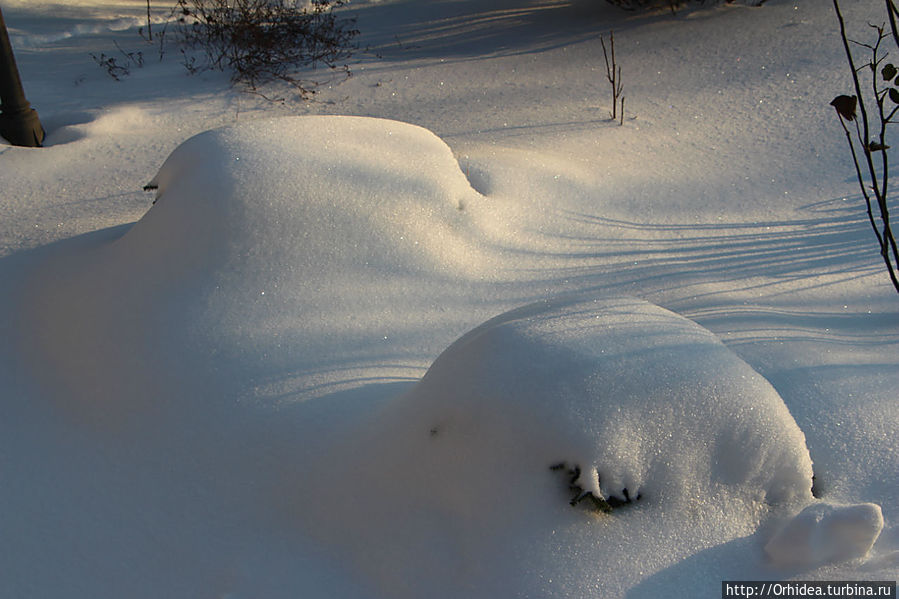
column 268, row 246
column 622, row 381
column 645, row 405
column 283, row 246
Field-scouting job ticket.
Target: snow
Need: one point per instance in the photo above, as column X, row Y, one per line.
column 562, row 366
column 375, row 345
column 823, row 533
column 469, row 451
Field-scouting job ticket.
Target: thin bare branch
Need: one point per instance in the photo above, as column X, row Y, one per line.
column 613, row 74
column 879, row 184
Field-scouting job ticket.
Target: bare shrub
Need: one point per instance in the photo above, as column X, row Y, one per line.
column 613, row 74
column 265, row 41
column 119, row 67
column 865, row 116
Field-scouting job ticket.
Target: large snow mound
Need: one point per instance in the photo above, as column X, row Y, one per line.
column 271, row 243
column 353, row 193
column 615, row 397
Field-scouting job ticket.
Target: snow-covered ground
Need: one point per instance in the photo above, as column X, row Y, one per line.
column 224, row 393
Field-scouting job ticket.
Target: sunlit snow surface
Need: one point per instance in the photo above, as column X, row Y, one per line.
column 267, row 249
column 635, row 396
column 160, row 349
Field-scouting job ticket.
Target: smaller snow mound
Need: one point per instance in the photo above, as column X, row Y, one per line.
column 594, row 403
column 825, row 533
column 645, row 400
